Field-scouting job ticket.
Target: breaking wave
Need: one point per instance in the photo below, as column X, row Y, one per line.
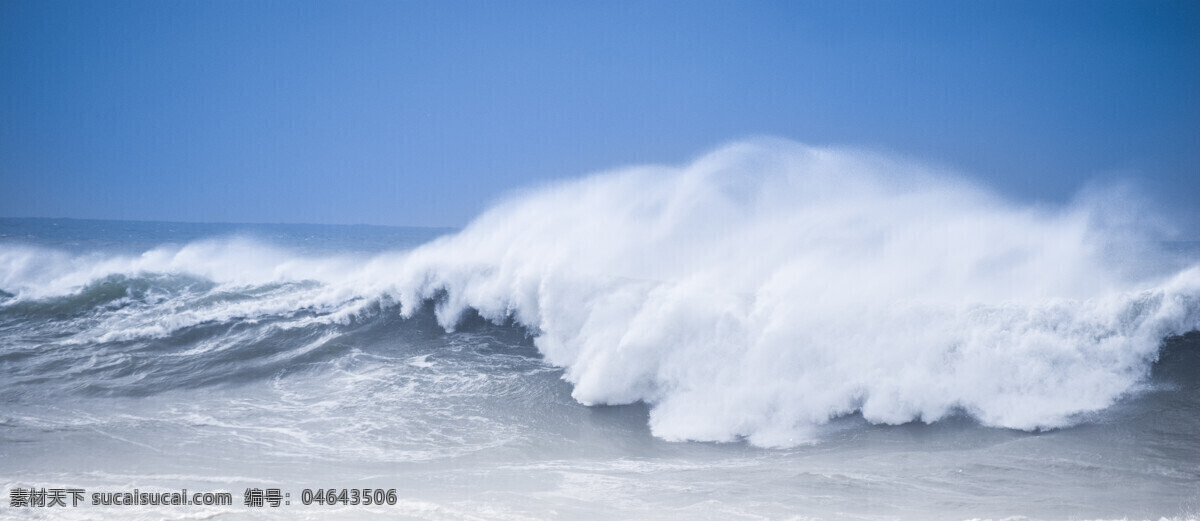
column 760, row 291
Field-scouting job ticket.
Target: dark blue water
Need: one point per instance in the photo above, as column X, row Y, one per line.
column 138, row 236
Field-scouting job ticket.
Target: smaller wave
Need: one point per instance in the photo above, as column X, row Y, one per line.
column 34, row 272
column 107, row 294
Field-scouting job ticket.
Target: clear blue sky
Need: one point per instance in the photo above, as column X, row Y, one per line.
column 420, row 113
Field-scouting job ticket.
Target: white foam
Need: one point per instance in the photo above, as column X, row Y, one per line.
column 768, row 287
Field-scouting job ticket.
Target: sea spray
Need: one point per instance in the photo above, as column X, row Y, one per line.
column 768, row 287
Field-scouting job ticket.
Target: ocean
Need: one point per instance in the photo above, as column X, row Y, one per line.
column 783, row 343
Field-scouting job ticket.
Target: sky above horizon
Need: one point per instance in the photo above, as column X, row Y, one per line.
column 421, row 113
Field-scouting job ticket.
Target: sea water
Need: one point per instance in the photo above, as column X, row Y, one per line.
column 771, row 332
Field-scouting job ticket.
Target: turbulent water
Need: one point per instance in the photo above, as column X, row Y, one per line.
column 772, row 331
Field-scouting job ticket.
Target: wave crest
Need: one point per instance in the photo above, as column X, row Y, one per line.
column 769, row 287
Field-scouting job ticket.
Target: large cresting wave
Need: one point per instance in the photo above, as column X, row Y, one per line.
column 762, row 290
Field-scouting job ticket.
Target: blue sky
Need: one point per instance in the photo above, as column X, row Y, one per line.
column 420, row 113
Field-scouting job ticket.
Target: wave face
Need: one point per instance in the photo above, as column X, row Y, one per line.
column 756, row 293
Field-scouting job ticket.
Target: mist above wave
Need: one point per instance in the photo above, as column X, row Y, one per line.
column 759, row 291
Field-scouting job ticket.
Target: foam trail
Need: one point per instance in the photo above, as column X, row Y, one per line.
column 759, row 291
